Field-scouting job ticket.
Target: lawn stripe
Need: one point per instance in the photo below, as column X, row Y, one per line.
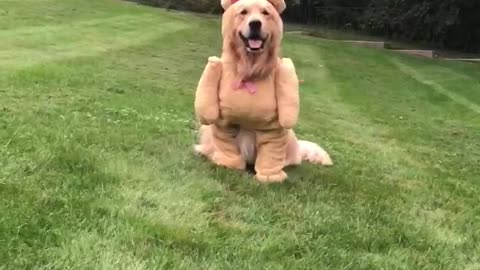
column 91, row 43
column 411, row 72
column 71, row 27
column 97, row 170
column 377, row 142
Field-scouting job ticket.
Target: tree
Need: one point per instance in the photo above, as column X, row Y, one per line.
column 449, row 23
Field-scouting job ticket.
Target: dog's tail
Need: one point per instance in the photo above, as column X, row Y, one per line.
column 314, row 153
column 308, row 151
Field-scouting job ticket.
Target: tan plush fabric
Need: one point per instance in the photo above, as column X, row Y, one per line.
column 263, row 110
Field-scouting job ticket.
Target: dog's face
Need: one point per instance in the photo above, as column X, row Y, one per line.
column 254, row 25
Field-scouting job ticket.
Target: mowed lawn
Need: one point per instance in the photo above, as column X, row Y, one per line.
column 97, row 169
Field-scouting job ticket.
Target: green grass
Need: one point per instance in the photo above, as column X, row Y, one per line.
column 97, row 171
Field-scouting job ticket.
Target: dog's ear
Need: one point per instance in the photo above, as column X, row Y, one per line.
column 280, row 5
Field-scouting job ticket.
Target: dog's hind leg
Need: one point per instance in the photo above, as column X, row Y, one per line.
column 294, row 155
column 205, row 145
column 297, row 151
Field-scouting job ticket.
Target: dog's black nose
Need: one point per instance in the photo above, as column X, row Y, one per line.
column 255, row 26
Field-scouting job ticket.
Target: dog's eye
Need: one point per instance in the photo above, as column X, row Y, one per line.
column 265, row 12
column 244, row 12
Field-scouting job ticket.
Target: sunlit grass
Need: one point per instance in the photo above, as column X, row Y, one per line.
column 97, row 170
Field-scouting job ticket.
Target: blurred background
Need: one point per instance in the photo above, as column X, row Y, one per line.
column 441, row 24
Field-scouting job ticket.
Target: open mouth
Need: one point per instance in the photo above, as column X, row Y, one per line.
column 253, row 43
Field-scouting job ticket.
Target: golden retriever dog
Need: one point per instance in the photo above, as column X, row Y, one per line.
column 252, row 33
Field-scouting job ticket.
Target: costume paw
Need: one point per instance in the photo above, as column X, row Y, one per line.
column 214, row 60
column 272, row 178
column 223, row 160
column 209, row 117
column 287, row 123
column 313, row 153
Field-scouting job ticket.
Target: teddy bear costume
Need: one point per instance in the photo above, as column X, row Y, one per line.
column 268, row 106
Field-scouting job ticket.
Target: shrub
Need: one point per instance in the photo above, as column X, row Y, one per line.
column 448, row 23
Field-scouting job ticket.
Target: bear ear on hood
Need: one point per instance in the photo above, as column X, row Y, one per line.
column 227, row 3
column 278, row 4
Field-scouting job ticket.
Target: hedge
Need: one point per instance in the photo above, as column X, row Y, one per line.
column 453, row 24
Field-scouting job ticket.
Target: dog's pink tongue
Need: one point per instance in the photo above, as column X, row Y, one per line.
column 255, row 44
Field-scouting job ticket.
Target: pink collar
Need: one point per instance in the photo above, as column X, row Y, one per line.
column 245, row 85
column 233, row 1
